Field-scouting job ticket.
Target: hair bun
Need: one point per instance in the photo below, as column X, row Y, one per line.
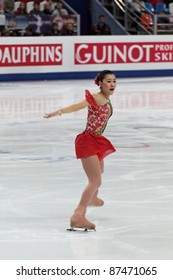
column 96, row 80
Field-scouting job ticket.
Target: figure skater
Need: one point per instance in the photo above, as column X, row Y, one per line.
column 91, row 147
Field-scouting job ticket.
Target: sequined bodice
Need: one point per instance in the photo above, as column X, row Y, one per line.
column 98, row 115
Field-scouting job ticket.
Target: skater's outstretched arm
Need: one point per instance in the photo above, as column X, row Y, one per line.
column 68, row 109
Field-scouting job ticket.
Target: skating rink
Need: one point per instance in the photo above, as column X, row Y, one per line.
column 41, row 180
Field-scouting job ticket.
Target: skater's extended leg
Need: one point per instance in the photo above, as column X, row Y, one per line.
column 95, row 201
column 92, row 169
column 102, row 165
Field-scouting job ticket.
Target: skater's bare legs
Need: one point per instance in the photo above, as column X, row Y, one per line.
column 92, row 169
column 95, row 201
column 102, row 165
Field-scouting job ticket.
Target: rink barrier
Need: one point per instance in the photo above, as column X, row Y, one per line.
column 83, row 75
column 82, row 57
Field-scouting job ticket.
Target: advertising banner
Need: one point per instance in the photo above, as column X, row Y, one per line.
column 63, row 56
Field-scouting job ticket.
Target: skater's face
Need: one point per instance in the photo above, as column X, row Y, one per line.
column 108, row 84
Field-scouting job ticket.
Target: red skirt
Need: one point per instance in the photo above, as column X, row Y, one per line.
column 89, row 144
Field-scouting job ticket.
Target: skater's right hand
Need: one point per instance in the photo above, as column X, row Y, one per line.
column 47, row 116
column 54, row 114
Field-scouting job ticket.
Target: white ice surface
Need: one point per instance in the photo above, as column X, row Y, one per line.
column 41, row 181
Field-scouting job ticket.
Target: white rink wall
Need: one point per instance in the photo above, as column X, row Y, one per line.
column 82, row 56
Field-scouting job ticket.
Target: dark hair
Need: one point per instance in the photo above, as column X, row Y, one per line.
column 29, row 28
column 100, row 77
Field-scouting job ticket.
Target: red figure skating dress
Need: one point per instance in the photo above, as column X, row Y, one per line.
column 90, row 141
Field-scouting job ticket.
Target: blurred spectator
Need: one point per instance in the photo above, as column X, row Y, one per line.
column 36, row 9
column 59, row 10
column 52, row 5
column 26, row 1
column 1, row 7
column 137, row 8
column 47, row 9
column 14, row 33
column 36, row 20
column 9, row 6
column 162, row 17
column 54, row 30
column 21, row 10
column 59, row 20
column 101, row 28
column 29, row 32
column 68, row 30
column 5, row 33
column 2, row 16
column 11, row 23
column 2, row 22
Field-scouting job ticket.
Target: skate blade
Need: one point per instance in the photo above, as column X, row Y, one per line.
column 81, row 229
